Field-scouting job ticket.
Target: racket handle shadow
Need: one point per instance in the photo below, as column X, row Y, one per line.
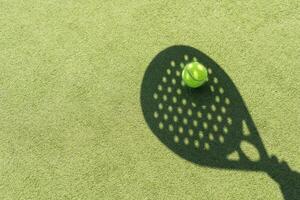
column 287, row 179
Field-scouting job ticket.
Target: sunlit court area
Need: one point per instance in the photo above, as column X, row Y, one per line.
column 136, row 100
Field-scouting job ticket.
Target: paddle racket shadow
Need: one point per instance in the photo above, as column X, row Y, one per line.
column 211, row 125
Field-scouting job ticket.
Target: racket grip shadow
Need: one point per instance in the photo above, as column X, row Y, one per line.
column 287, row 179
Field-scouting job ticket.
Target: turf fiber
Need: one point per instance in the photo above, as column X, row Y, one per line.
column 71, row 72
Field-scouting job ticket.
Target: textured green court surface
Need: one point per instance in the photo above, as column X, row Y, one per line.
column 71, row 73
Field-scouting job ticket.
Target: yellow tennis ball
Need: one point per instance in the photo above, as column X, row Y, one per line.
column 194, row 74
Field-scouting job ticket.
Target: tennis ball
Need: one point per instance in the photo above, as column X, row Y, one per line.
column 194, row 74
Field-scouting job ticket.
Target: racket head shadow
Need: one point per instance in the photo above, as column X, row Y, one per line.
column 202, row 125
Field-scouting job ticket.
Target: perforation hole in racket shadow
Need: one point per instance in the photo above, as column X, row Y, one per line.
column 209, row 126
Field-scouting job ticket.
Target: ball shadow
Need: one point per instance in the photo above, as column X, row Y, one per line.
column 209, row 126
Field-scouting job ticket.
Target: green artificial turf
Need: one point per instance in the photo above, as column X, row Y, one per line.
column 72, row 125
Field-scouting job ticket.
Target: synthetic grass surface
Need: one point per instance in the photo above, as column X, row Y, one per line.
column 71, row 123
